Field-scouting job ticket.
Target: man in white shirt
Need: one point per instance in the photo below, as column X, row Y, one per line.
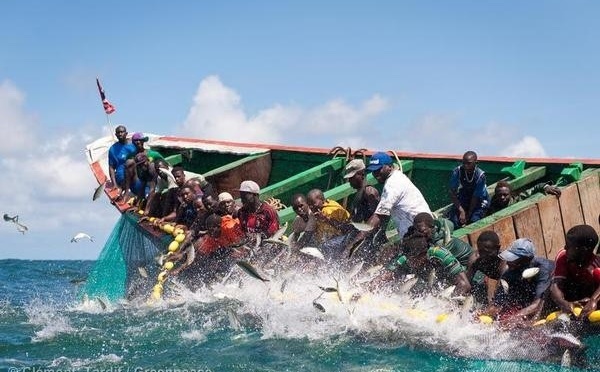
column 400, row 200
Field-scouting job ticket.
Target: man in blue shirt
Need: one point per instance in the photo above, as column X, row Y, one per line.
column 118, row 154
column 468, row 191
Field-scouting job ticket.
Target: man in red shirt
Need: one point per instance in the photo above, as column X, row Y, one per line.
column 256, row 216
column 576, row 277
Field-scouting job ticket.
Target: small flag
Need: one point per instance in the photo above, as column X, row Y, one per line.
column 108, row 107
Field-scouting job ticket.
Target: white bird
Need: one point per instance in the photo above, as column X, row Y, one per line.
column 80, row 236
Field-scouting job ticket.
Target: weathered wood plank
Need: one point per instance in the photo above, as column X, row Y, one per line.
column 552, row 227
column 528, row 225
column 570, row 207
column 505, row 229
column 589, row 194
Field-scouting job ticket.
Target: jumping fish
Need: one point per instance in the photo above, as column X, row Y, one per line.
column 408, row 284
column 80, row 236
column 362, row 226
column 279, row 233
column 143, row 272
column 99, row 190
column 530, row 272
column 355, row 248
column 312, row 251
column 505, row 286
column 328, row 289
column 250, row 270
column 318, row 306
column 8, row 218
column 102, row 303
column 234, row 320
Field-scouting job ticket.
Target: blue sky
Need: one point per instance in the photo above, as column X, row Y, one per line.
column 513, row 78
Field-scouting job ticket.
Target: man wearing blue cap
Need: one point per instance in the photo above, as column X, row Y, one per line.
column 400, row 199
column 522, row 295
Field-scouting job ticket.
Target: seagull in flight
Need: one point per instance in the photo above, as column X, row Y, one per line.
column 80, row 236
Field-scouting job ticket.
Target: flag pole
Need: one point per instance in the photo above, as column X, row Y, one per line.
column 108, row 107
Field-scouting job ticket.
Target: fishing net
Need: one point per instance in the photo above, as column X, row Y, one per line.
column 126, row 265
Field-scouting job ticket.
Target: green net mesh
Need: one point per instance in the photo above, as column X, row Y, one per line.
column 126, row 267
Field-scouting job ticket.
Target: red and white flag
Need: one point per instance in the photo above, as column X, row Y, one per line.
column 108, row 107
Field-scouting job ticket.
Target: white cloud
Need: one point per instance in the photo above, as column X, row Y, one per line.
column 17, row 124
column 528, row 146
column 47, row 180
column 218, row 113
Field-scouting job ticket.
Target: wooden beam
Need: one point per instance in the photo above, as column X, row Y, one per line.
column 302, row 178
column 234, row 164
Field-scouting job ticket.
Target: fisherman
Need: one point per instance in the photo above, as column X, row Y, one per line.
column 304, row 224
column 143, row 181
column 524, row 290
column 576, row 278
column 468, row 192
column 118, row 153
column 214, row 252
column 256, row 216
column 400, row 200
column 487, row 262
column 503, row 195
column 227, row 205
column 367, row 197
column 432, row 265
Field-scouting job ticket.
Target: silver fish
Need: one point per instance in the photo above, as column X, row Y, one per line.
column 250, row 270
column 328, row 289
column 234, row 320
column 99, row 190
column 143, row 272
column 312, row 251
column 505, row 286
column 318, row 306
column 279, row 233
column 355, row 270
column 408, row 284
column 355, row 248
column 339, row 292
column 565, row 360
column 80, row 236
column 283, row 285
column 102, row 303
column 530, row 272
column 362, row 226
column 446, row 293
column 432, row 278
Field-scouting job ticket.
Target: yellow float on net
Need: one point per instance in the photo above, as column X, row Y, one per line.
column 594, row 316
column 168, row 228
column 179, row 238
column 157, row 288
column 178, row 231
column 552, row 316
column 174, row 246
column 162, row 276
column 140, row 211
column 168, row 265
column 577, row 311
column 156, row 295
column 441, row 318
column 540, row 322
column 486, row 319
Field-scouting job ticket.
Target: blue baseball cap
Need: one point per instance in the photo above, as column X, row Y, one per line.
column 518, row 249
column 378, row 160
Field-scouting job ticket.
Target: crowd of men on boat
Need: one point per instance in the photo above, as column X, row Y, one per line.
column 514, row 285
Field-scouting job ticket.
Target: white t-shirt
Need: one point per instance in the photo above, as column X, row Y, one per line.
column 401, row 200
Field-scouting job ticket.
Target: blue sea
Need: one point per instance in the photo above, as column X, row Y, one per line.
column 246, row 325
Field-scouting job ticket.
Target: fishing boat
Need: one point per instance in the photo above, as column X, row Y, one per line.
column 281, row 171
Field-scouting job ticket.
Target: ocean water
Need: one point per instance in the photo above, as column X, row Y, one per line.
column 248, row 325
